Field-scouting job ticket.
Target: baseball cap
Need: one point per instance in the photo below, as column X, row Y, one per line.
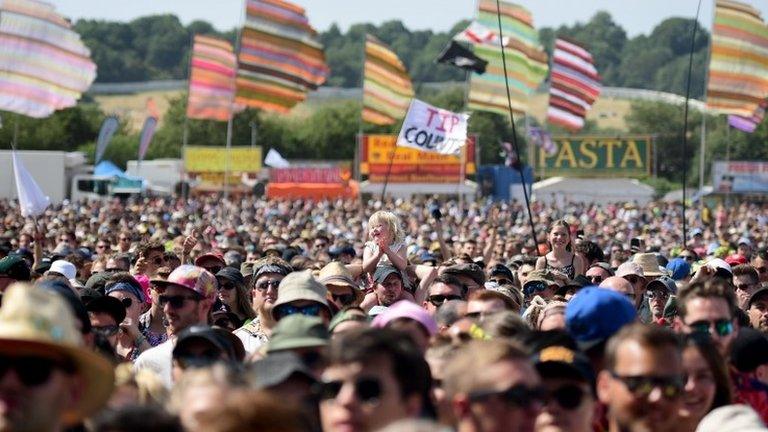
column 193, row 278
column 108, row 305
column 383, row 271
column 130, row 288
column 736, row 259
column 749, row 349
column 756, row 295
column 665, row 282
column 406, row 309
column 563, row 362
column 679, row 268
column 732, row 418
column 501, row 270
column 629, row 268
column 64, row 268
column 298, row 331
column 15, row 268
column 277, row 367
column 221, row 339
column 231, row 274
column 595, row 314
column 473, row 271
column 210, row 257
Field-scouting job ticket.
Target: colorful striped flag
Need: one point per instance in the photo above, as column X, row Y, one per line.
column 211, row 79
column 387, row 88
column 738, row 65
column 574, row 85
column 280, row 57
column 44, row 66
column 749, row 124
column 526, row 60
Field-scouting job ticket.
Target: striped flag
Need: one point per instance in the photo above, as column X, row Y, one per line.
column 211, row 79
column 280, row 56
column 749, row 124
column 738, row 66
column 574, row 85
column 387, row 89
column 527, row 61
column 44, row 66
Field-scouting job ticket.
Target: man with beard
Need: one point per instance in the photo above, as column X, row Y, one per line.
column 757, row 309
column 186, row 298
column 388, row 289
column 266, row 278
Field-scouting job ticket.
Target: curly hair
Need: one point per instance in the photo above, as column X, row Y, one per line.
column 391, row 220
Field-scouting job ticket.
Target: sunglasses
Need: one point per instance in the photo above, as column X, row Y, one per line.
column 285, row 310
column 595, row 279
column 535, row 288
column 657, row 294
column 198, row 360
column 107, row 330
column 439, row 299
column 723, row 327
column 568, row 396
column 226, row 286
column 367, row 390
column 158, row 261
column 520, row 396
column 127, row 302
column 344, row 299
column 641, row 386
column 176, row 302
column 264, row 285
column 744, row 287
column 33, row 371
column 633, row 279
column 101, row 246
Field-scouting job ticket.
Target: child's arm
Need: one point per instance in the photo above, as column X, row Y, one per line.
column 371, row 260
column 398, row 258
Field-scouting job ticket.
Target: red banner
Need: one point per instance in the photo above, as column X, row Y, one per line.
column 310, row 175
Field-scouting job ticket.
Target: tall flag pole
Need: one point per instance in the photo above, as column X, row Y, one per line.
column 574, row 85
column 280, row 57
column 527, row 61
column 211, row 79
column 738, row 66
column 44, row 66
column 387, row 88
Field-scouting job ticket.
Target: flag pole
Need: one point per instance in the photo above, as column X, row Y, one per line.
column 232, row 104
column 703, row 142
column 359, row 137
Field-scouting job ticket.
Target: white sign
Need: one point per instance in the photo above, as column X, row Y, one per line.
column 432, row 129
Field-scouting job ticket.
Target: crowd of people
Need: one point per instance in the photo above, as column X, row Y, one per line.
column 208, row 314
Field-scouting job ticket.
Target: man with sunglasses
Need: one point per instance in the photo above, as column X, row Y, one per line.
column 267, row 274
column 150, row 257
column 443, row 288
column 746, row 282
column 658, row 292
column 375, row 377
column 342, row 289
column 186, row 298
column 642, row 382
column 569, row 383
column 301, row 293
column 106, row 313
column 598, row 272
column 493, row 387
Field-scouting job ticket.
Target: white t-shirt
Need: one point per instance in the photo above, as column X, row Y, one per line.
column 158, row 360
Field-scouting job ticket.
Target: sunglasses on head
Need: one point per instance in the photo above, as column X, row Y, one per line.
column 176, row 302
column 642, row 386
column 344, row 299
column 439, row 299
column 264, row 285
column 367, row 390
column 568, row 396
column 285, row 310
column 33, row 371
column 107, row 330
column 519, row 396
column 722, row 327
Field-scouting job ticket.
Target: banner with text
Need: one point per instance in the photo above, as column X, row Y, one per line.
column 590, row 156
column 311, row 174
column 432, row 129
column 208, row 164
column 740, row 176
column 411, row 165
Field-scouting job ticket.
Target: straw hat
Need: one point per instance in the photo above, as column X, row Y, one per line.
column 336, row 273
column 39, row 322
column 649, row 264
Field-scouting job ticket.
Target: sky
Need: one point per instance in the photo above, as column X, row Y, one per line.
column 636, row 16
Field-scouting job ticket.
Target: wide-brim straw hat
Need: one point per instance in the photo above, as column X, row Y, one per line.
column 650, row 265
column 337, row 274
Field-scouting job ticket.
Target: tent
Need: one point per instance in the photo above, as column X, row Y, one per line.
column 561, row 190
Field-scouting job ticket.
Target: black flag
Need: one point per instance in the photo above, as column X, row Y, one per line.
column 462, row 58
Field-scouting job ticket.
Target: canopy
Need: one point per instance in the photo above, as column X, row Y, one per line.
column 561, row 190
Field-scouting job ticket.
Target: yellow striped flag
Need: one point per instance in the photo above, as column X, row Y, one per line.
column 527, row 62
column 211, row 79
column 738, row 66
column 387, row 89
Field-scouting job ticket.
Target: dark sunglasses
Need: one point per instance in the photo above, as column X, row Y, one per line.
column 226, row 286
column 633, row 279
column 198, row 360
column 101, row 246
column 175, row 302
column 641, row 386
column 723, row 327
column 657, row 294
column 107, row 330
column 520, row 396
column 535, row 288
column 568, row 396
column 367, row 390
column 285, row 310
column 264, row 285
column 344, row 299
column 439, row 299
column 33, row 371
column 595, row 279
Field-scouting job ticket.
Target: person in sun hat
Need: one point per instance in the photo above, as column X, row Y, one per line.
column 57, row 381
column 186, row 298
column 342, row 289
column 301, row 293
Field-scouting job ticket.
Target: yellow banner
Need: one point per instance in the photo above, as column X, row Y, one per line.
column 214, row 159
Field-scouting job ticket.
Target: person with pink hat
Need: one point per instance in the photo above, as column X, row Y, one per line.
column 408, row 317
column 186, row 298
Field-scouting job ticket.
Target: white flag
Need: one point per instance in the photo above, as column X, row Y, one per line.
column 275, row 160
column 32, row 200
column 433, row 129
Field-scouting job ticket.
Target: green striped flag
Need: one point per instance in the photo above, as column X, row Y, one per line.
column 387, row 89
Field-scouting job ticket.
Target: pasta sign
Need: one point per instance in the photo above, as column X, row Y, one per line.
column 596, row 156
column 431, row 129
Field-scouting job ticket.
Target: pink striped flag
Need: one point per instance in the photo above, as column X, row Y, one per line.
column 748, row 124
column 574, row 85
column 211, row 79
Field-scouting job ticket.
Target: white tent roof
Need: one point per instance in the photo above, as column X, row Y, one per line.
column 597, row 190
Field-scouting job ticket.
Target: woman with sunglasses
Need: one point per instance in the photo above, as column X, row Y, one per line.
column 130, row 342
column 561, row 259
column 707, row 385
column 233, row 293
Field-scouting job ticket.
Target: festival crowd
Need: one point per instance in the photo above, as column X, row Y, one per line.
column 210, row 314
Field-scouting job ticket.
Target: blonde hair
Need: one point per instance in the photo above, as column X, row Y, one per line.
column 150, row 387
column 391, row 220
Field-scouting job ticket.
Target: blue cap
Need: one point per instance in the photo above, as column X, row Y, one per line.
column 595, row 314
column 127, row 287
column 679, row 268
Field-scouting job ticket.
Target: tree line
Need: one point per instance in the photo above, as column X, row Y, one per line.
column 158, row 47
